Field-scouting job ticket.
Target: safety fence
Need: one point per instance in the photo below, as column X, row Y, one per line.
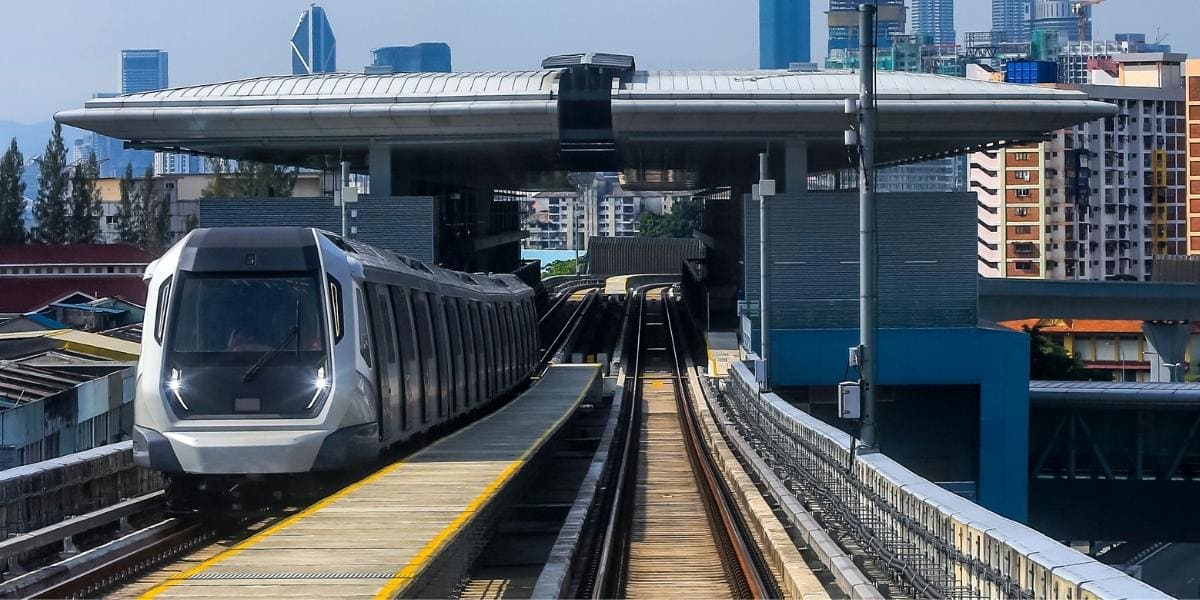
column 931, row 542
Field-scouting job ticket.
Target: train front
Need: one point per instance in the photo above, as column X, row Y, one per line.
column 238, row 373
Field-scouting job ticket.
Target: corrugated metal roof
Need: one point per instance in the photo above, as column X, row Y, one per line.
column 357, row 86
column 819, row 84
column 83, row 341
column 20, row 383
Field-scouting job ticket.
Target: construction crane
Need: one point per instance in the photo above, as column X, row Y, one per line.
column 1080, row 8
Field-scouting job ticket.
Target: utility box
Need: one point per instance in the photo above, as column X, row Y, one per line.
column 850, row 400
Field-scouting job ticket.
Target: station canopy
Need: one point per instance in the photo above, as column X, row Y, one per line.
column 589, row 114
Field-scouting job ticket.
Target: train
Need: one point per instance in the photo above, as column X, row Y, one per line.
column 270, row 353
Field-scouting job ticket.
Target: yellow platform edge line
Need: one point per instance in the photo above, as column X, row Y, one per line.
column 435, row 545
column 245, row 544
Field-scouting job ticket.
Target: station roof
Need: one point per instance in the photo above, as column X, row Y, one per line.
column 666, row 120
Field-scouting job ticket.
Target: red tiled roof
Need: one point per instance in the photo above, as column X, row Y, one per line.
column 23, row 294
column 73, row 254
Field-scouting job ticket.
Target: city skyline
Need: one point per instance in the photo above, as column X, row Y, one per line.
column 254, row 44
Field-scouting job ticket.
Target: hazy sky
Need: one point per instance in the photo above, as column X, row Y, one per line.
column 57, row 53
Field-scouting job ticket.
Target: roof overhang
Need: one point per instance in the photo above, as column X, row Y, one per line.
column 659, row 119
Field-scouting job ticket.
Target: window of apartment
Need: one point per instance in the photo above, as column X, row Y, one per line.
column 1024, row 193
column 1022, row 156
column 1024, row 229
column 1023, row 265
column 1021, row 212
column 1023, row 175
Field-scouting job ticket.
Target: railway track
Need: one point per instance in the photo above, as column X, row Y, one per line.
column 672, row 528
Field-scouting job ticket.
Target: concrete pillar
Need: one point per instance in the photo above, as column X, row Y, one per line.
column 795, row 161
column 1166, row 349
column 379, row 167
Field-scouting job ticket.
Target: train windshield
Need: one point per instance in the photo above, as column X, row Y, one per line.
column 245, row 345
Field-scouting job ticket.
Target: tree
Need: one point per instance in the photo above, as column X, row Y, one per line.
column 250, row 180
column 50, row 205
column 83, row 222
column 1049, row 361
column 131, row 220
column 156, row 209
column 683, row 218
column 12, row 197
column 561, row 267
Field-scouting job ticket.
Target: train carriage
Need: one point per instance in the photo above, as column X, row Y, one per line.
column 286, row 350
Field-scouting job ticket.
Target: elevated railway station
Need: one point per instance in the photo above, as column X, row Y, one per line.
column 774, row 501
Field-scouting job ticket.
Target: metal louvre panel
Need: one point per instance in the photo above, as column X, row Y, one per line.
column 640, row 256
column 927, row 273
column 402, row 224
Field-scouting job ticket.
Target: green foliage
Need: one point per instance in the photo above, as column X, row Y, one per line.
column 50, row 205
column 83, row 221
column 679, row 223
column 249, row 180
column 561, row 267
column 12, row 191
column 156, row 211
column 1050, row 362
column 131, row 219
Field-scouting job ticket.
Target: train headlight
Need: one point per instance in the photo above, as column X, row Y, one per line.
column 320, row 387
column 321, row 382
column 175, row 385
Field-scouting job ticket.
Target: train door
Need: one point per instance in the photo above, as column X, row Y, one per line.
column 468, row 353
column 511, row 345
column 429, row 375
column 387, row 371
column 492, row 337
column 454, row 331
column 410, row 361
column 442, row 346
column 481, row 353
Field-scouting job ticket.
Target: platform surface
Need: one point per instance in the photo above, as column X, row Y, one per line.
column 372, row 538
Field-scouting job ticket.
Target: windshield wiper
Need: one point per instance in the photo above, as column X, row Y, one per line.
column 266, row 358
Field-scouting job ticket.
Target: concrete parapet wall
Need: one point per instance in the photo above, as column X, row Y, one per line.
column 44, row 493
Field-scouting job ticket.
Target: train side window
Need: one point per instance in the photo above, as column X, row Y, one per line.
column 459, row 379
column 492, row 331
column 364, row 329
column 480, row 350
column 510, row 344
column 160, row 312
column 442, row 346
column 335, row 308
column 426, row 349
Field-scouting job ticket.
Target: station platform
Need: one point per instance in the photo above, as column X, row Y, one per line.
column 415, row 523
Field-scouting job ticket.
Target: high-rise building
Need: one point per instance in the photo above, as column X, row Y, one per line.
column 1059, row 16
column 784, row 33
column 1193, row 154
column 844, row 17
column 1079, row 61
column 1010, row 19
column 143, row 71
column 1097, row 201
column 427, row 57
column 314, row 49
column 934, row 18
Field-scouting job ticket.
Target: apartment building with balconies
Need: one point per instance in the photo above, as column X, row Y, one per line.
column 1097, row 201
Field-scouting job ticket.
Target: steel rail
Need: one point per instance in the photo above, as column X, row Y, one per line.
column 610, row 567
column 751, row 568
column 567, row 331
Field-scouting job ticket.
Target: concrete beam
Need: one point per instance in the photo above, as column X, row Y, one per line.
column 1010, row 299
column 379, row 167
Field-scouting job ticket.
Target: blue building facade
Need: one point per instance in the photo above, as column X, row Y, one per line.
column 784, row 33
column 1010, row 19
column 426, row 57
column 314, row 49
column 934, row 18
column 143, row 71
column 954, row 393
